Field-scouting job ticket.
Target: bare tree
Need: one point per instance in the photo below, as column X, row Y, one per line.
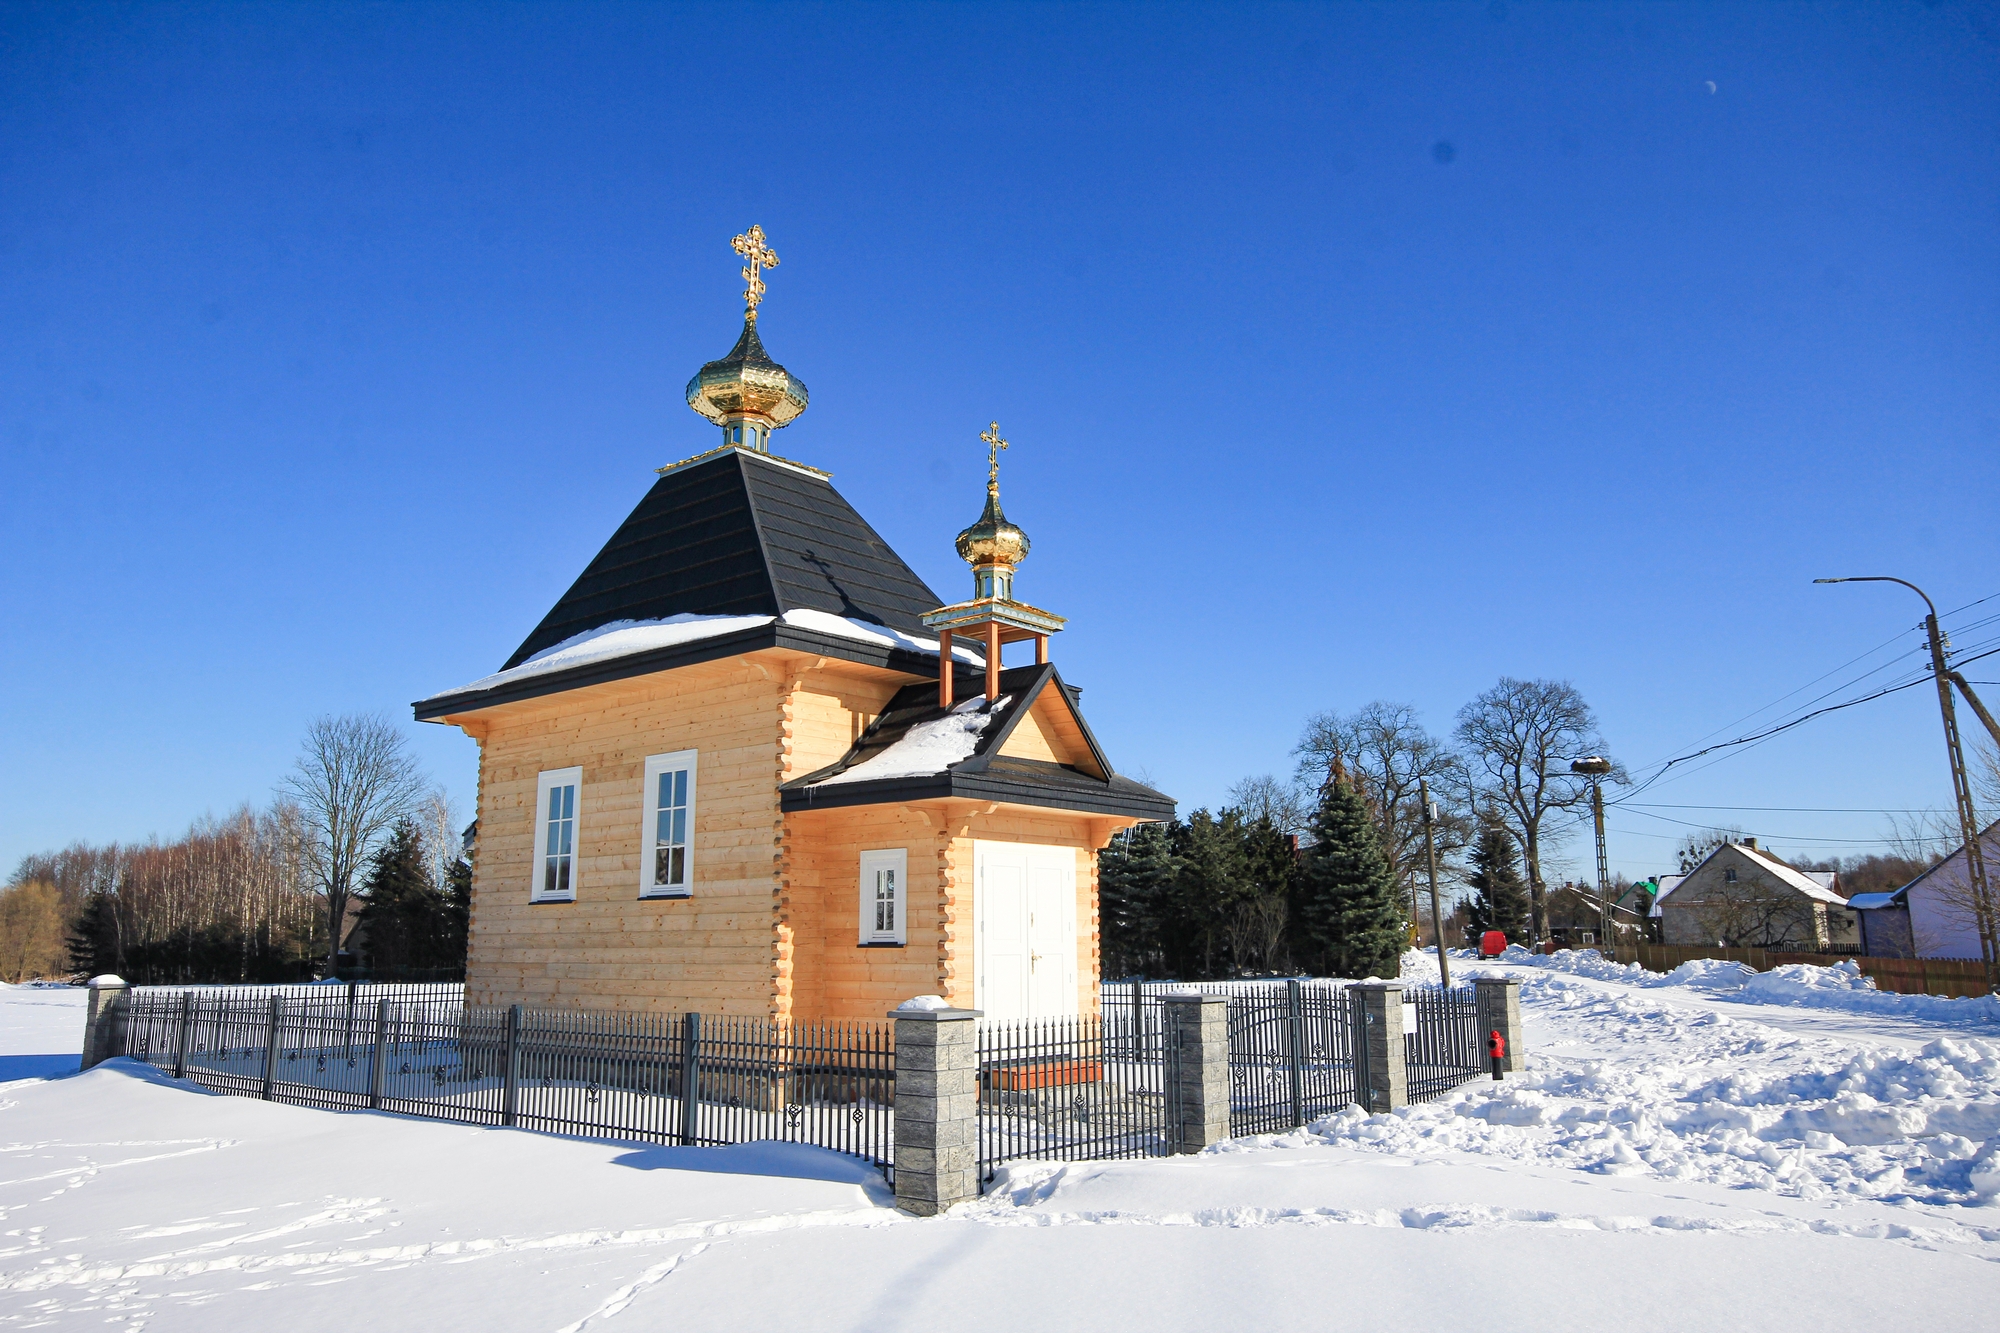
column 1287, row 806
column 1696, row 844
column 1518, row 739
column 1756, row 916
column 1388, row 752
column 352, row 779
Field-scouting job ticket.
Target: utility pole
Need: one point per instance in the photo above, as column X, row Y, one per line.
column 1961, row 786
column 1595, row 767
column 1431, row 857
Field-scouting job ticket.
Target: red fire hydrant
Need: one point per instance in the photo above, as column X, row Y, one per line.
column 1496, row 1047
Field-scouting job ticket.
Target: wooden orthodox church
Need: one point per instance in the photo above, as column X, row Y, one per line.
column 727, row 773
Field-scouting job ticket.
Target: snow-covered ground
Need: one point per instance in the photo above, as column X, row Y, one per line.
column 1711, row 1152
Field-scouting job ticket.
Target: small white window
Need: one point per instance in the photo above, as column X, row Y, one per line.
column 885, row 896
column 666, row 836
column 556, row 813
column 1729, row 875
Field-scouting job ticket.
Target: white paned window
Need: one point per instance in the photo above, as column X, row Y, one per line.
column 556, row 811
column 885, row 896
column 666, row 835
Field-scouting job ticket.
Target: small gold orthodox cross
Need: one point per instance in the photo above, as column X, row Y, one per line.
column 994, row 444
column 751, row 246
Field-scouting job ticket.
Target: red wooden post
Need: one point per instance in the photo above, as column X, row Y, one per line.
column 1041, row 650
column 944, row 668
column 992, row 661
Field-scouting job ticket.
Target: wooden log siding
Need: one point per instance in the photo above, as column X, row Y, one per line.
column 610, row 948
column 772, row 927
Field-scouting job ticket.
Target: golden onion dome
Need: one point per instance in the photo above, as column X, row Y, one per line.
column 747, row 383
column 993, row 540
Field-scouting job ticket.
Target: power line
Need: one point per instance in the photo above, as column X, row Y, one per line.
column 1788, row 837
column 1769, row 732
column 1783, row 809
column 1660, row 771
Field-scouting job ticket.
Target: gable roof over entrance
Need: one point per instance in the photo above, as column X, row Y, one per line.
column 738, row 533
column 916, row 750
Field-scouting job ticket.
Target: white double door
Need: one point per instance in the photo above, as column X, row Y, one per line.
column 1024, row 944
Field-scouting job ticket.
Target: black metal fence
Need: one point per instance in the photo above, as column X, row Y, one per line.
column 1083, row 1088
column 1077, row 1089
column 421, row 1050
column 1295, row 1045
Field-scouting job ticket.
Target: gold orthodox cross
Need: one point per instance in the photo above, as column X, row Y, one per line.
column 994, row 444
column 761, row 256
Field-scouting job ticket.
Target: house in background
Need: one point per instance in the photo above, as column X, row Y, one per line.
column 1743, row 897
column 1885, row 923
column 727, row 773
column 1939, row 903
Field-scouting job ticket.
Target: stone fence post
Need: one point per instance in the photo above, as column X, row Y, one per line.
column 104, row 1019
column 937, row 1109
column 1499, row 1000
column 1387, row 1083
column 1198, row 1026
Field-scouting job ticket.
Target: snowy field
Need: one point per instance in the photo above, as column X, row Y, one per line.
column 1711, row 1151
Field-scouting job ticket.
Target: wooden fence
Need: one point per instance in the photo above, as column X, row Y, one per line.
column 1907, row 976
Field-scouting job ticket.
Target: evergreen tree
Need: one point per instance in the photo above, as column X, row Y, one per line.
column 457, row 924
column 1261, row 923
column 1134, row 877
column 1501, row 897
column 1348, row 919
column 1211, row 879
column 405, row 920
column 93, row 939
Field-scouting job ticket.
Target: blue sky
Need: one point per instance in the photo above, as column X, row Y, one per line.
column 1349, row 352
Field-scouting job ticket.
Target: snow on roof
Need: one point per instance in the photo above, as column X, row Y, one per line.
column 1869, row 902
column 1797, row 879
column 622, row 638
column 928, row 747
column 827, row 623
column 1668, row 883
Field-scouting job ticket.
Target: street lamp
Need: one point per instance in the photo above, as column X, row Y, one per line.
column 1968, row 821
column 1596, row 767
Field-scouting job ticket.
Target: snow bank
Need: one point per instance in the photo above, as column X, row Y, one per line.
column 1621, row 1083
column 1842, row 986
column 929, row 747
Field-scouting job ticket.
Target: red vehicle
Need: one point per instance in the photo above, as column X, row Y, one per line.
column 1492, row 944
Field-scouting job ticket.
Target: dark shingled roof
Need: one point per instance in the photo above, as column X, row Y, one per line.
column 741, row 535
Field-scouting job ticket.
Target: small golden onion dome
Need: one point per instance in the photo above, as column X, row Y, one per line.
column 747, row 383
column 993, row 540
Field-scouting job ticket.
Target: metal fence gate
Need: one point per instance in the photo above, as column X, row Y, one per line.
column 1441, row 1040
column 1294, row 1045
column 1291, row 1056
column 1078, row 1089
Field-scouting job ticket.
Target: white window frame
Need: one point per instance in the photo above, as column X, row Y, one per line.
column 546, row 782
column 896, row 862
column 649, row 827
